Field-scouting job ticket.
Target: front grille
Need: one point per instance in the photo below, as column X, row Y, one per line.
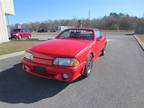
column 42, row 59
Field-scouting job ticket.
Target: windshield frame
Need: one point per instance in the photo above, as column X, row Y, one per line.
column 16, row 30
column 77, row 29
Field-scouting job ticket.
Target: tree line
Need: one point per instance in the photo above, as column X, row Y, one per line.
column 113, row 21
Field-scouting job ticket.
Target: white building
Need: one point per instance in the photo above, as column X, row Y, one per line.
column 61, row 28
column 6, row 8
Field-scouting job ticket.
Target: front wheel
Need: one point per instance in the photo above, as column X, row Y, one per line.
column 20, row 37
column 28, row 37
column 88, row 67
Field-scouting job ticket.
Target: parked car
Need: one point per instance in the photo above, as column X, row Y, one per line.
column 20, row 33
column 67, row 57
column 42, row 30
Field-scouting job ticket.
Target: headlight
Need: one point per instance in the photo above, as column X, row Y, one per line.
column 66, row 62
column 17, row 34
column 28, row 56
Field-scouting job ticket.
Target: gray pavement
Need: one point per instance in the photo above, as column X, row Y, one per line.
column 41, row 37
column 117, row 82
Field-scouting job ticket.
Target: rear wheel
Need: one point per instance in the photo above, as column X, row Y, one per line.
column 88, row 67
column 103, row 51
column 29, row 37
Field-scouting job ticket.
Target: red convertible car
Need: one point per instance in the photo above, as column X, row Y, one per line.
column 66, row 57
column 19, row 34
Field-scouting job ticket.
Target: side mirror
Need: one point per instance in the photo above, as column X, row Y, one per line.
column 99, row 38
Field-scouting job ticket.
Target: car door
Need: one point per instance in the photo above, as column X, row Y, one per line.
column 22, row 33
column 101, row 40
column 25, row 34
column 28, row 34
column 99, row 43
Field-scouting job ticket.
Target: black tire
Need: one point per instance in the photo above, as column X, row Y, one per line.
column 103, row 51
column 88, row 67
column 28, row 37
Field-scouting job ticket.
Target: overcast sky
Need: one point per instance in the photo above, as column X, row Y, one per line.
column 41, row 10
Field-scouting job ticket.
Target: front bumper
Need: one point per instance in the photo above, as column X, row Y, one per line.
column 14, row 36
column 54, row 72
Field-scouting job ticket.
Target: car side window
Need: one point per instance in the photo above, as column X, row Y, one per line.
column 65, row 34
column 98, row 35
column 22, row 31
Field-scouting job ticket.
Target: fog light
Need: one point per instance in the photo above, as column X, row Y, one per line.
column 65, row 76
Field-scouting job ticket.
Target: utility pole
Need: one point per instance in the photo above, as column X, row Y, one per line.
column 89, row 14
column 80, row 24
column 89, row 18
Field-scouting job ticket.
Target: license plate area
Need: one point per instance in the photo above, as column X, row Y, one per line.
column 40, row 70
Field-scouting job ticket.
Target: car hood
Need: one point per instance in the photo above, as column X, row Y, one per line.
column 61, row 47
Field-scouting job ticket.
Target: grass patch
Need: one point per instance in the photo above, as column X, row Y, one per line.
column 15, row 46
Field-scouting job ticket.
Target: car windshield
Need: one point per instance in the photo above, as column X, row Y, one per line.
column 77, row 34
column 16, row 30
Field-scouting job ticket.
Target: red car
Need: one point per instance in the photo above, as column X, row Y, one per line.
column 66, row 57
column 19, row 34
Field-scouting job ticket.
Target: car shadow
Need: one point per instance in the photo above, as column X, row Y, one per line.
column 17, row 86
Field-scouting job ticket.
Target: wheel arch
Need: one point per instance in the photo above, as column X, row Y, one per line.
column 90, row 53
